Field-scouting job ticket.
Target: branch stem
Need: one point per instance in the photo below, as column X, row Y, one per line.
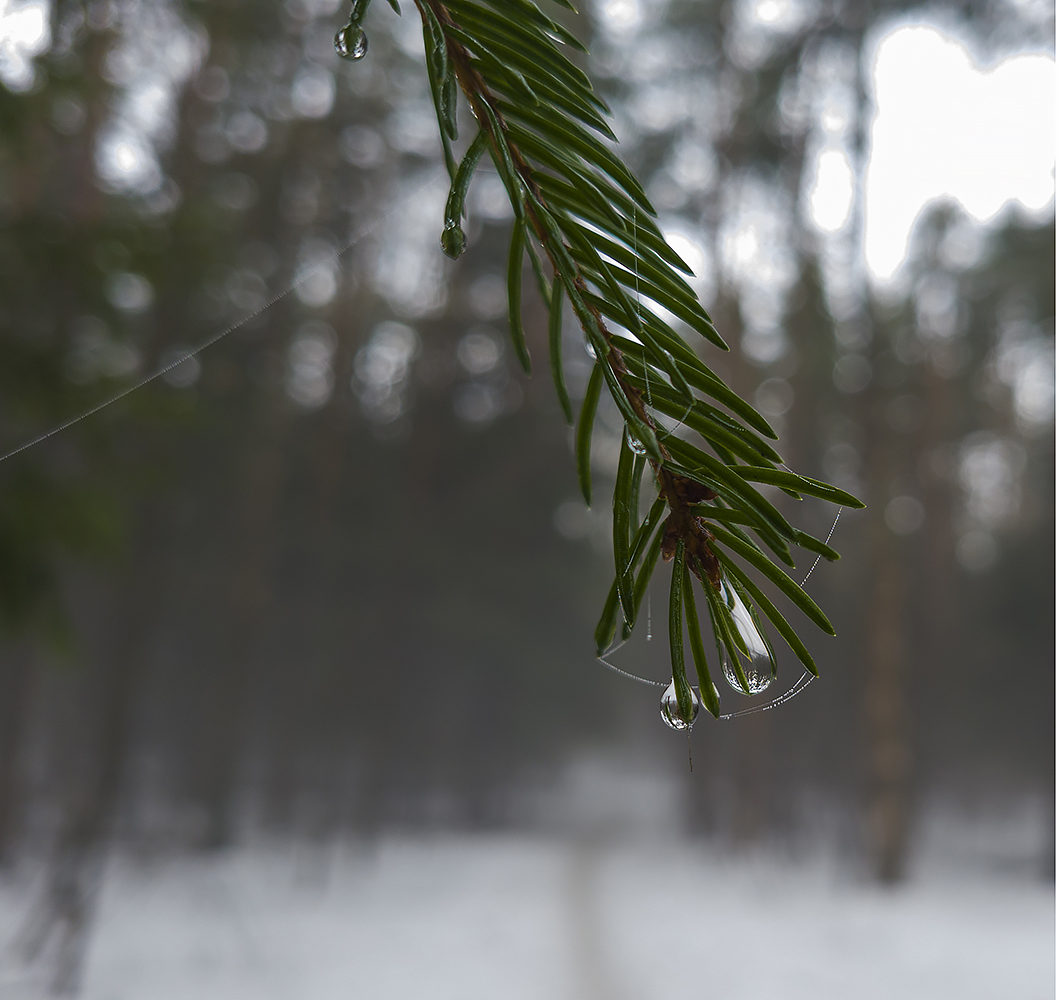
column 682, row 519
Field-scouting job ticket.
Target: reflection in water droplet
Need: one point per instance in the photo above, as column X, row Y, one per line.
column 670, row 709
column 758, row 668
column 350, row 42
column 634, row 444
column 453, row 241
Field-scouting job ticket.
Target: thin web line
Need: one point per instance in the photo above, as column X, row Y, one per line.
column 210, row 341
column 802, row 682
column 826, row 541
column 625, row 673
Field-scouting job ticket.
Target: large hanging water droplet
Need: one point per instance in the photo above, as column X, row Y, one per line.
column 670, row 708
column 758, row 669
column 634, row 444
column 350, row 42
column 453, row 241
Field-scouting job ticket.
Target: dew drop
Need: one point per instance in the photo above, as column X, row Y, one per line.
column 670, row 708
column 634, row 444
column 758, row 669
column 756, row 680
column 453, row 241
column 350, row 42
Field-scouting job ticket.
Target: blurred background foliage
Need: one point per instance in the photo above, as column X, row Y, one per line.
column 332, row 576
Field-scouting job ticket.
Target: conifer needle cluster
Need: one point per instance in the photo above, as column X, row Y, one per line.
column 592, row 240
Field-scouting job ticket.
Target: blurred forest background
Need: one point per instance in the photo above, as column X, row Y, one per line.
column 331, row 577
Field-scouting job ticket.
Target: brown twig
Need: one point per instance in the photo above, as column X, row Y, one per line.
column 678, row 491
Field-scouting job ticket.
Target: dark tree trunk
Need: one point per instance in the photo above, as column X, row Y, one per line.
column 66, row 906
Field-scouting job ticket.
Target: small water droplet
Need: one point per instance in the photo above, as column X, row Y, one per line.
column 350, row 42
column 757, row 669
column 670, row 708
column 634, row 444
column 453, row 241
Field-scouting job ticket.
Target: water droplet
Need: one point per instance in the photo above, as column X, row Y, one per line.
column 453, row 241
column 670, row 708
column 350, row 42
column 634, row 444
column 757, row 669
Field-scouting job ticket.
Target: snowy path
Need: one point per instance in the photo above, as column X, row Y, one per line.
column 507, row 918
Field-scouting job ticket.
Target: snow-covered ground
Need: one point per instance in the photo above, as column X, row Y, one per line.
column 506, row 917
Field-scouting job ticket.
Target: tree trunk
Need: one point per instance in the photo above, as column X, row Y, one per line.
column 67, row 902
column 887, row 715
column 17, row 675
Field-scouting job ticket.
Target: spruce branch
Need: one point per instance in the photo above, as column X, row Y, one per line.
column 541, row 122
